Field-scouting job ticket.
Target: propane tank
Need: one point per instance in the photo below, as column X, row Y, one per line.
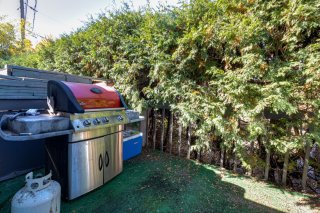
column 39, row 195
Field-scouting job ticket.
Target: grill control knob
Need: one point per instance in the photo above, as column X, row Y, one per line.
column 105, row 120
column 120, row 118
column 96, row 121
column 86, row 122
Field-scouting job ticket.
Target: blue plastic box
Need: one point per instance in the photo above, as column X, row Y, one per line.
column 132, row 146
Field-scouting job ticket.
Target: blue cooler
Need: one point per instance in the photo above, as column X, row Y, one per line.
column 132, row 145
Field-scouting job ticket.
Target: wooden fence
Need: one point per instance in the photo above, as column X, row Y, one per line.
column 25, row 88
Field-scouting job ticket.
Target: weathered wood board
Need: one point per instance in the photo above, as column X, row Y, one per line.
column 23, row 88
column 18, row 71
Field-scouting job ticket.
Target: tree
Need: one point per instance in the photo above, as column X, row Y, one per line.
column 241, row 71
column 7, row 39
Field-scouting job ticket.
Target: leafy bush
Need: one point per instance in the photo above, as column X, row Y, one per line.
column 238, row 69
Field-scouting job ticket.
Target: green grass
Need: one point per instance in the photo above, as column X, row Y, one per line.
column 156, row 182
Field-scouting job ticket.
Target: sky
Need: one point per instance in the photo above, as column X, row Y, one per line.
column 56, row 17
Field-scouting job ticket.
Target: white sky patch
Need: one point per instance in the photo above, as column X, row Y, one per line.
column 56, row 17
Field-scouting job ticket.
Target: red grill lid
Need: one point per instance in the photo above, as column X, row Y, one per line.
column 91, row 96
column 76, row 97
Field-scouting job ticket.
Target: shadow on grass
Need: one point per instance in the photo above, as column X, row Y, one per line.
column 269, row 184
column 157, row 182
column 312, row 201
column 284, row 190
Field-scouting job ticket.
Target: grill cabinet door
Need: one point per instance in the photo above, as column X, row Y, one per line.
column 112, row 156
column 85, row 167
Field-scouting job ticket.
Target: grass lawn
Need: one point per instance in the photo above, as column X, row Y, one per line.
column 156, row 182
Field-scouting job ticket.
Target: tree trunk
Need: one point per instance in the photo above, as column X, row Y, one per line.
column 222, row 155
column 306, row 165
column 162, row 129
column 285, row 168
column 250, row 171
column 179, row 139
column 170, row 131
column 215, row 149
column 166, row 134
column 199, row 155
column 277, row 175
column 235, row 162
column 147, row 127
column 143, row 128
column 189, row 141
column 266, row 169
column 154, row 128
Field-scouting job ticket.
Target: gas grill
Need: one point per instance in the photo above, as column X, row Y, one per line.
column 83, row 134
column 92, row 154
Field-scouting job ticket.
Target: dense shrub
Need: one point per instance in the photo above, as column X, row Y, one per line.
column 242, row 70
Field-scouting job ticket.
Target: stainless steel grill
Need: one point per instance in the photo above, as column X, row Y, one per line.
column 92, row 154
column 83, row 134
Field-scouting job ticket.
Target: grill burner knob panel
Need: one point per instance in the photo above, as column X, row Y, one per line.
column 105, row 120
column 96, row 121
column 86, row 123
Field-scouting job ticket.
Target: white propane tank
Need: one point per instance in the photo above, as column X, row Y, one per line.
column 39, row 195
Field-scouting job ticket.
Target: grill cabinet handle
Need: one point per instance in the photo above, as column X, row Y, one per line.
column 100, row 162
column 107, row 159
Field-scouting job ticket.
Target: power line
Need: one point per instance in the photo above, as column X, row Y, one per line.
column 24, row 5
column 26, row 9
column 34, row 9
column 52, row 19
column 34, row 14
column 34, row 34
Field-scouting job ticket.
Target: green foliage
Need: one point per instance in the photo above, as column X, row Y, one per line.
column 222, row 65
column 7, row 40
column 11, row 50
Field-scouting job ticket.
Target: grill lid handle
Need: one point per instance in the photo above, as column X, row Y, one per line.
column 96, row 90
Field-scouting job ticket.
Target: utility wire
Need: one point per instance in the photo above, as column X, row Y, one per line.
column 34, row 13
column 52, row 19
column 34, row 9
column 25, row 9
column 24, row 5
column 34, row 34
